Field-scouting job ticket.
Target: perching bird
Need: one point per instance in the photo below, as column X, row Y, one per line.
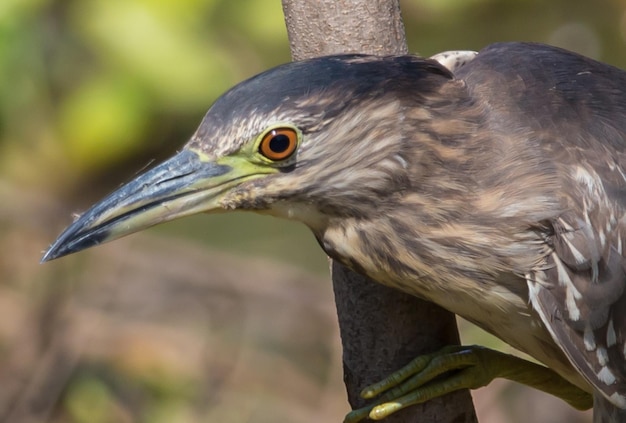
column 496, row 190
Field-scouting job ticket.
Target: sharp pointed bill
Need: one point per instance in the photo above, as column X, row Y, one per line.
column 181, row 186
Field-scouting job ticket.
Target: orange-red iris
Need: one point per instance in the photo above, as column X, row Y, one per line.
column 278, row 144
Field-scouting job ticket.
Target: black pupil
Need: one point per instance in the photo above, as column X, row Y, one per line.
column 279, row 143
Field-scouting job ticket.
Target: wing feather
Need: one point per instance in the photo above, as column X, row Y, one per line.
column 574, row 109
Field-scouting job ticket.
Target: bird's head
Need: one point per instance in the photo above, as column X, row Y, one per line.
column 307, row 140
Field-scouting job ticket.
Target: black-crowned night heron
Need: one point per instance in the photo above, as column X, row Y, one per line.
column 496, row 190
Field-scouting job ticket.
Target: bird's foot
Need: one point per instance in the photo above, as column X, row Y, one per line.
column 459, row 367
column 420, row 381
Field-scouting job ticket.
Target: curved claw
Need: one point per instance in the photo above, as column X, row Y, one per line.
column 459, row 367
column 421, row 370
column 410, row 385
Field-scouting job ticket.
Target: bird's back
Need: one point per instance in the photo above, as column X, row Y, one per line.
column 544, row 87
column 570, row 111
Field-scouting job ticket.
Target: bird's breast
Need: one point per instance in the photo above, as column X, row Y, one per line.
column 495, row 300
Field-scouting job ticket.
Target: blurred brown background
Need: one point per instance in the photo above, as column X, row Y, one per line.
column 222, row 318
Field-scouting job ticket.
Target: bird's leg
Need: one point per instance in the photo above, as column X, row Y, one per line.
column 461, row 367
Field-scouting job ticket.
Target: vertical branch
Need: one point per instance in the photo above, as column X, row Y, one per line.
column 324, row 27
column 381, row 329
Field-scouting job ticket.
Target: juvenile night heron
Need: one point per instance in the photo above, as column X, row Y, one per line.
column 496, row 190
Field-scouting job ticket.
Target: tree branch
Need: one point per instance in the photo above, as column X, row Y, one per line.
column 381, row 329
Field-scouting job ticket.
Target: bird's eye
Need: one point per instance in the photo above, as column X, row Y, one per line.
column 279, row 144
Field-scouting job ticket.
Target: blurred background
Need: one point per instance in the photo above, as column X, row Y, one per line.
column 221, row 318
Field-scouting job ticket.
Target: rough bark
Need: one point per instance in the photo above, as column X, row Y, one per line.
column 381, row 329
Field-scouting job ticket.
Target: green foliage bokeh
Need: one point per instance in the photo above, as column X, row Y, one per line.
column 86, row 84
column 83, row 83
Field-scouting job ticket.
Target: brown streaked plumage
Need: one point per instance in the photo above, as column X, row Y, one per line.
column 497, row 192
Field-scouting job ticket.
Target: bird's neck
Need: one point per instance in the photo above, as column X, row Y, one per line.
column 425, row 248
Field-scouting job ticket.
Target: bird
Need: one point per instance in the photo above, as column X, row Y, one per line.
column 493, row 185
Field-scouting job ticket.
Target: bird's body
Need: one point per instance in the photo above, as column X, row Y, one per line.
column 496, row 183
column 498, row 192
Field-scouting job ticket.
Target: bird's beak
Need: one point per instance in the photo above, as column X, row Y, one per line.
column 184, row 185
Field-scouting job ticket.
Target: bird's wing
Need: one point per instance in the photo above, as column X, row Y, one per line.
column 576, row 109
column 580, row 296
column 453, row 60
